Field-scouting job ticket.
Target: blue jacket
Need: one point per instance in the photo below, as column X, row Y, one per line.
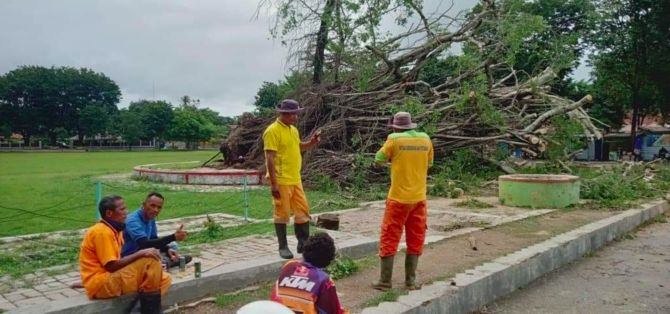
column 137, row 228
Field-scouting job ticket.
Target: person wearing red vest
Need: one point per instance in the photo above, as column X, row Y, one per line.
column 303, row 286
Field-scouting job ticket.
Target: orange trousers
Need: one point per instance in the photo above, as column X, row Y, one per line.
column 292, row 198
column 145, row 274
column 411, row 217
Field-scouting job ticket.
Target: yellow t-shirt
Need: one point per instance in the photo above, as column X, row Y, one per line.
column 410, row 154
column 102, row 244
column 285, row 140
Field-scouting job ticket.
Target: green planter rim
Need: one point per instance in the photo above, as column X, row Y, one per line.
column 539, row 178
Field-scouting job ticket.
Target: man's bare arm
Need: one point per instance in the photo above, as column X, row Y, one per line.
column 270, row 158
column 316, row 138
column 113, row 266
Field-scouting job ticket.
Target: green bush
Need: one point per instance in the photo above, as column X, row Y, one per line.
column 341, row 267
column 325, row 184
column 465, row 169
column 613, row 190
column 473, row 203
column 440, row 186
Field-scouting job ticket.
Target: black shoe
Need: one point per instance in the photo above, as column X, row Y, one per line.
column 135, row 307
column 284, row 252
column 302, row 234
column 150, row 302
column 169, row 263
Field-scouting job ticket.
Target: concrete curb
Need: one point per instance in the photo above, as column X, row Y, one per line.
column 484, row 284
column 221, row 279
column 192, row 177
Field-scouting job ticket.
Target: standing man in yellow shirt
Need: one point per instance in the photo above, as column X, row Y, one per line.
column 410, row 154
column 283, row 160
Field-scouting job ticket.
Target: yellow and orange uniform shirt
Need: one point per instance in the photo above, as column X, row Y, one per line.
column 102, row 244
column 411, row 154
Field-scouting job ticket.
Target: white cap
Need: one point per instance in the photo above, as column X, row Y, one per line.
column 264, row 307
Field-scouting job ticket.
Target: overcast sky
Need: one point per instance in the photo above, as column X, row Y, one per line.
column 211, row 50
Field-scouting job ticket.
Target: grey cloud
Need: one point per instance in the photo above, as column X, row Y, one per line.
column 208, row 49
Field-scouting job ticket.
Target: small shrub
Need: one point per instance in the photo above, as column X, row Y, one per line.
column 325, row 184
column 441, row 186
column 465, row 169
column 612, row 190
column 214, row 232
column 341, row 267
column 388, row 296
column 661, row 219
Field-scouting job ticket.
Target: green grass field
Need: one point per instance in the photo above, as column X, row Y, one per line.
column 39, row 182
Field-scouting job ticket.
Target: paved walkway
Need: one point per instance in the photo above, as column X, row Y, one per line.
column 445, row 220
column 212, row 255
column 631, row 276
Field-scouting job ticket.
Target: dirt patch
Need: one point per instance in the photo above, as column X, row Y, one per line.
column 460, row 225
column 442, row 260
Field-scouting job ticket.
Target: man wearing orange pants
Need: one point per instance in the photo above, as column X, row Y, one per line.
column 106, row 275
column 281, row 141
column 410, row 154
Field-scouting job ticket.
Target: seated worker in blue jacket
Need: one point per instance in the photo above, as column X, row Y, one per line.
column 141, row 232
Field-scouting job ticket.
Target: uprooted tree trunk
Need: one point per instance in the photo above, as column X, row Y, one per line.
column 322, row 41
column 353, row 124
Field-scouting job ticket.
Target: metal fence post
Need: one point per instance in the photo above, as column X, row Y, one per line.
column 98, row 198
column 246, row 199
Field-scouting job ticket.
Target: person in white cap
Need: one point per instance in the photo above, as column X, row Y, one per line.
column 264, row 307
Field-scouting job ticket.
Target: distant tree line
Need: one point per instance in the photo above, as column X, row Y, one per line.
column 58, row 103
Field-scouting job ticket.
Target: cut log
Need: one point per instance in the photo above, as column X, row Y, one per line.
column 529, row 152
column 328, row 222
column 541, row 131
column 531, row 138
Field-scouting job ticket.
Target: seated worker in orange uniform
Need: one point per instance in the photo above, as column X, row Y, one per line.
column 303, row 286
column 106, row 275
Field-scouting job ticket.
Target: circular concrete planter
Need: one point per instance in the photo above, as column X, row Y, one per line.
column 199, row 176
column 539, row 191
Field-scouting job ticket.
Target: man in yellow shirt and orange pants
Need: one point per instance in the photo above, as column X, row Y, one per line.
column 106, row 275
column 410, row 154
column 283, row 160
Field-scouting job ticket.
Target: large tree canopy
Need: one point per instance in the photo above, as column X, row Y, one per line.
column 38, row 100
column 156, row 116
column 191, row 126
column 632, row 63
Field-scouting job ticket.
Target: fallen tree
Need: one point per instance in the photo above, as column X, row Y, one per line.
column 484, row 103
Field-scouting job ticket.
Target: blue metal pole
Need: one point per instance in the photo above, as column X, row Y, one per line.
column 98, row 198
column 246, row 199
